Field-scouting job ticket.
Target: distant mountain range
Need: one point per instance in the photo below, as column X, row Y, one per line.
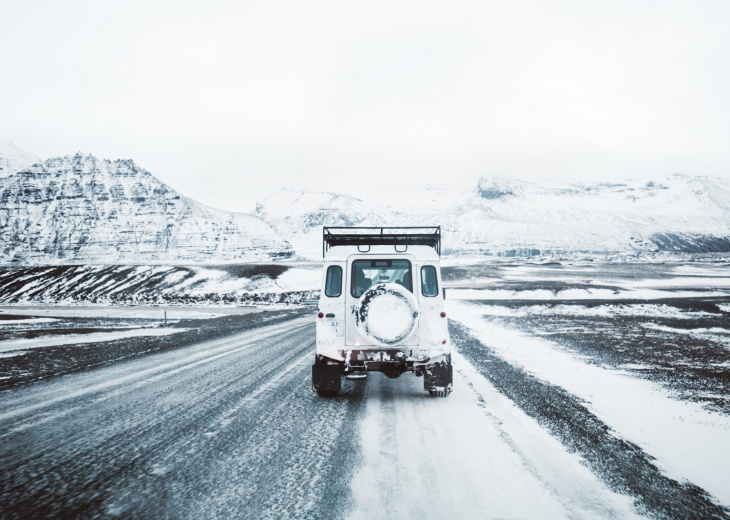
column 675, row 214
column 80, row 209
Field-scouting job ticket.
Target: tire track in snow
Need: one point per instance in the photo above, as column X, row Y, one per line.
column 439, row 458
column 624, row 466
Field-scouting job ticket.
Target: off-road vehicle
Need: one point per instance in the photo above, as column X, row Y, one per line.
column 382, row 307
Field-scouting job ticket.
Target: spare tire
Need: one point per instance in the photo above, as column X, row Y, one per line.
column 386, row 314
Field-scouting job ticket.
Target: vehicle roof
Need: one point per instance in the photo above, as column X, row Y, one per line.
column 343, row 253
column 365, row 237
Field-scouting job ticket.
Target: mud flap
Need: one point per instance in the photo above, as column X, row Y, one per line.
column 326, row 378
column 438, row 376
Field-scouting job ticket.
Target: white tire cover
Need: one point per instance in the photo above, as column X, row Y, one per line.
column 386, row 314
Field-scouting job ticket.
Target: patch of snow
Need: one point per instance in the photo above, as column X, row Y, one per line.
column 679, row 282
column 688, row 442
column 29, row 321
column 73, row 339
column 128, row 311
column 12, row 354
column 575, row 294
column 638, row 310
column 635, row 366
column 697, row 331
column 706, row 271
column 298, row 279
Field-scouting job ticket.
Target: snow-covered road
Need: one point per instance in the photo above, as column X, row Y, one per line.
column 230, row 428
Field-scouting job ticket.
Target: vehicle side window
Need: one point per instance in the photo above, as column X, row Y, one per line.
column 429, row 282
column 333, row 285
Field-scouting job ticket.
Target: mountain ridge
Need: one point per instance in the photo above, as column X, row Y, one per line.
column 676, row 213
column 82, row 209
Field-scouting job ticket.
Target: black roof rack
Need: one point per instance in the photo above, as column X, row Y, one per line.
column 378, row 236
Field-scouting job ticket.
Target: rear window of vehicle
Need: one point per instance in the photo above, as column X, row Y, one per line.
column 366, row 273
column 333, row 283
column 429, row 282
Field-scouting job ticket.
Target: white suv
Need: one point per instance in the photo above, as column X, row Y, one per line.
column 382, row 307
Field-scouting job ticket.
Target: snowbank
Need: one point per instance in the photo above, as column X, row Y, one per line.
column 689, row 442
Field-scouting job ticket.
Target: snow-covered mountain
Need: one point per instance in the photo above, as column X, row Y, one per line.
column 13, row 159
column 675, row 214
column 81, row 209
column 300, row 216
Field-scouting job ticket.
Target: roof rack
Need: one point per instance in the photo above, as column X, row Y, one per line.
column 378, row 236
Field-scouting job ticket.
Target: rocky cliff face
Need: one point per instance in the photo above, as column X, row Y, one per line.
column 80, row 209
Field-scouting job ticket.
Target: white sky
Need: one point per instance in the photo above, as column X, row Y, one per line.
column 229, row 101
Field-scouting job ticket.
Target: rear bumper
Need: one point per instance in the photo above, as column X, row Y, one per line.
column 391, row 362
column 410, row 355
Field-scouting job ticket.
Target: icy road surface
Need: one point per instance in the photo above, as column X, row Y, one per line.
column 230, row 428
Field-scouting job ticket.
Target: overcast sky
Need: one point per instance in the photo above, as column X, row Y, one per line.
column 229, row 101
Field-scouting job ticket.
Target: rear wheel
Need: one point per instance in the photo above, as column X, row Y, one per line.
column 326, row 377
column 438, row 378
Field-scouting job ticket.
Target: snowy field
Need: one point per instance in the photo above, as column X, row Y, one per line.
column 582, row 390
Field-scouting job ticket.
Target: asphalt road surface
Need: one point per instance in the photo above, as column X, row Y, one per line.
column 229, row 428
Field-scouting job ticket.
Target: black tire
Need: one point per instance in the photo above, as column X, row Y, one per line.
column 438, row 378
column 326, row 378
